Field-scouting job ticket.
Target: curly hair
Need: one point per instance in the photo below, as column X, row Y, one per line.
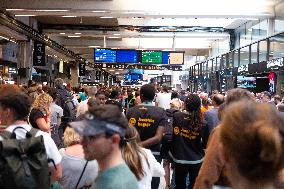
column 42, row 101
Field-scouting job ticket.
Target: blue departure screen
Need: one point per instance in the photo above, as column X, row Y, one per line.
column 166, row 57
column 105, row 55
column 127, row 56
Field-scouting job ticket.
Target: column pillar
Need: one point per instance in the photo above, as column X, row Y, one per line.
column 271, row 27
column 74, row 75
column 24, row 61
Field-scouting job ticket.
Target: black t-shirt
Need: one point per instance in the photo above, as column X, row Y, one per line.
column 146, row 120
column 34, row 115
column 187, row 143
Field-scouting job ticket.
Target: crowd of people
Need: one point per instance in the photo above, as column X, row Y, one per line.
column 124, row 138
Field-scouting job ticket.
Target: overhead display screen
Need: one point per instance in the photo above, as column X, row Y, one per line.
column 152, row 57
column 105, row 55
column 174, row 58
column 127, row 56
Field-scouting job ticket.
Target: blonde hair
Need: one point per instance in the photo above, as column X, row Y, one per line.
column 71, row 137
column 132, row 153
column 42, row 101
column 175, row 103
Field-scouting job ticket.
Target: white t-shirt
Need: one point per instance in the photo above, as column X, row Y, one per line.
column 56, row 112
column 50, row 147
column 82, row 108
column 154, row 170
column 164, row 100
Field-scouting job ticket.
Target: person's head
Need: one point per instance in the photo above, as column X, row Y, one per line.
column 100, row 98
column 165, row 88
column 276, row 99
column 14, row 104
column 131, row 152
column 175, row 104
column 174, row 95
column 42, row 102
column 114, row 94
column 102, row 130
column 266, row 97
column 58, row 83
column 221, row 111
column 129, row 93
column 147, row 92
column 217, row 100
column 91, row 91
column 53, row 93
column 192, row 105
column 252, row 136
column 237, row 94
column 71, row 137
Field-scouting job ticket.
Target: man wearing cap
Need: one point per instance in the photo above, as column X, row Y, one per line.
column 102, row 130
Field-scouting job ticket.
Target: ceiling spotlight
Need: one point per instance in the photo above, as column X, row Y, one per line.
column 69, row 16
column 73, row 36
column 94, row 46
column 113, row 37
column 18, row 15
column 106, row 17
column 62, row 33
column 15, row 9
column 99, row 11
column 78, row 33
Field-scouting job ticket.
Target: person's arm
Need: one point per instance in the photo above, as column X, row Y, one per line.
column 154, row 140
column 56, row 173
column 43, row 125
column 156, row 168
column 213, row 163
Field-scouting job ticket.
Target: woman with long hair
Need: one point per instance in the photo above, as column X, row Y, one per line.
column 252, row 137
column 187, row 149
column 40, row 114
column 74, row 164
column 140, row 160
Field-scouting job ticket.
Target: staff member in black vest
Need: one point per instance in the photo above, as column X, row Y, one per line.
column 149, row 121
column 187, row 149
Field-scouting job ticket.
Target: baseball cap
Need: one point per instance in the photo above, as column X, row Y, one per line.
column 91, row 126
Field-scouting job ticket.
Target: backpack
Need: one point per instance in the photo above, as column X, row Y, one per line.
column 23, row 162
column 69, row 110
column 169, row 125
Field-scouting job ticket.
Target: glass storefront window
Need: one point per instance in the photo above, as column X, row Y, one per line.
column 276, row 46
column 214, row 64
column 279, row 26
column 218, row 63
column 254, row 53
column 262, row 50
column 230, row 59
column 244, row 55
column 236, row 58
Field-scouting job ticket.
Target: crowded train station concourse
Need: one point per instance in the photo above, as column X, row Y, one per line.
column 141, row 94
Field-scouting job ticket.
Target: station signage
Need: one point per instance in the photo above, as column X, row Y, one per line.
column 137, row 66
column 39, row 54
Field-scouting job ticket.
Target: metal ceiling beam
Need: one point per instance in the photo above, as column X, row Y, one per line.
column 24, row 29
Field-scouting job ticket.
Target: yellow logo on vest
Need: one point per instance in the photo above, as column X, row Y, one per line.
column 176, row 130
column 132, row 121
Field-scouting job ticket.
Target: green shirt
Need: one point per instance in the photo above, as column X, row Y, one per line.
column 119, row 177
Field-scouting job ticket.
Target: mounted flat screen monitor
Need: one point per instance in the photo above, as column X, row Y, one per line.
column 151, row 57
column 246, row 82
column 126, row 56
column 105, row 55
column 173, row 58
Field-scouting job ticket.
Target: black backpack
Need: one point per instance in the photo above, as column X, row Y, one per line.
column 69, row 110
column 23, row 162
column 169, row 125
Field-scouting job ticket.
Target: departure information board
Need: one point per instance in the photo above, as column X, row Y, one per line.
column 173, row 58
column 126, row 56
column 151, row 57
column 105, row 55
